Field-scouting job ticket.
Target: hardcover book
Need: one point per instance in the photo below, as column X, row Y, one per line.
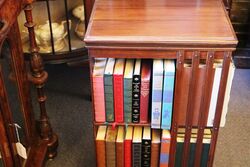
column 136, row 92
column 128, row 146
column 108, row 89
column 100, row 146
column 155, row 147
column 120, row 147
column 98, row 89
column 157, row 83
column 118, row 89
column 128, row 78
column 137, row 145
column 146, row 147
column 145, row 90
column 168, row 93
column 165, row 148
column 110, row 147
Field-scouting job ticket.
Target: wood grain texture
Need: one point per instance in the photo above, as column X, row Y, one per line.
column 160, row 22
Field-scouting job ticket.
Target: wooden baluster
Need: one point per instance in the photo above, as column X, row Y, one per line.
column 38, row 78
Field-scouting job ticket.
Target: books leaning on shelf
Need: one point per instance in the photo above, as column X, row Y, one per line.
column 141, row 90
column 134, row 146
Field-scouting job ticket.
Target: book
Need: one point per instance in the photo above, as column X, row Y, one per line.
column 136, row 146
column 98, row 89
column 157, row 82
column 155, row 147
column 146, row 147
column 127, row 82
column 227, row 94
column 165, row 148
column 168, row 93
column 128, row 146
column 110, row 146
column 145, row 90
column 205, row 150
column 215, row 92
column 100, row 146
column 136, row 92
column 120, row 147
column 108, row 90
column 118, row 89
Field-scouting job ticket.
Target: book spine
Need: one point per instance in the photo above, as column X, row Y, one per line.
column 167, row 106
column 155, row 152
column 110, row 154
column 120, row 154
column 178, row 154
column 205, row 154
column 136, row 155
column 128, row 100
column 118, row 97
column 109, row 98
column 156, row 101
column 99, row 99
column 127, row 153
column 146, row 153
column 100, row 154
column 144, row 101
column 164, row 156
column 136, row 98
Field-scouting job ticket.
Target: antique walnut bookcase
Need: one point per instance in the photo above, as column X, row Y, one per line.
column 198, row 30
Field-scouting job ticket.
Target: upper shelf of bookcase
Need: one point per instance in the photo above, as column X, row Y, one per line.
column 160, row 23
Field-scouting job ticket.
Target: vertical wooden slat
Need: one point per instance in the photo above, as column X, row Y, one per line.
column 204, row 108
column 219, row 106
column 174, row 127
column 189, row 115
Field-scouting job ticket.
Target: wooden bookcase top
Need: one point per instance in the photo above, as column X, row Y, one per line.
column 160, row 23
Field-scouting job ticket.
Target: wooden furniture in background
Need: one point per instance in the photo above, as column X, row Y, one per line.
column 41, row 143
column 240, row 17
column 174, row 29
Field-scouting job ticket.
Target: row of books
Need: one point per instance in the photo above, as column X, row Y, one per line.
column 137, row 90
column 127, row 88
column 143, row 147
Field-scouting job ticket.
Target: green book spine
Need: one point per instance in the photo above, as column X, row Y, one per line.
column 109, row 98
column 205, row 154
column 191, row 154
column 178, row 154
column 128, row 100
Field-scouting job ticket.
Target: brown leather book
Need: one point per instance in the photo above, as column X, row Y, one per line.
column 120, row 147
column 110, row 147
column 155, row 147
column 181, row 110
column 100, row 146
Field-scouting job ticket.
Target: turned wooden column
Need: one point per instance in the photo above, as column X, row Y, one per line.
column 38, row 77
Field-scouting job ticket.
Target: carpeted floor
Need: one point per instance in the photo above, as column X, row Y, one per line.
column 69, row 109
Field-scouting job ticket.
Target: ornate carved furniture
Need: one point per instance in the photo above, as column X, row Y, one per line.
column 41, row 143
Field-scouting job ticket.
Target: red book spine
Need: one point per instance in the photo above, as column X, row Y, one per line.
column 127, row 153
column 99, row 103
column 118, row 98
column 144, row 100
